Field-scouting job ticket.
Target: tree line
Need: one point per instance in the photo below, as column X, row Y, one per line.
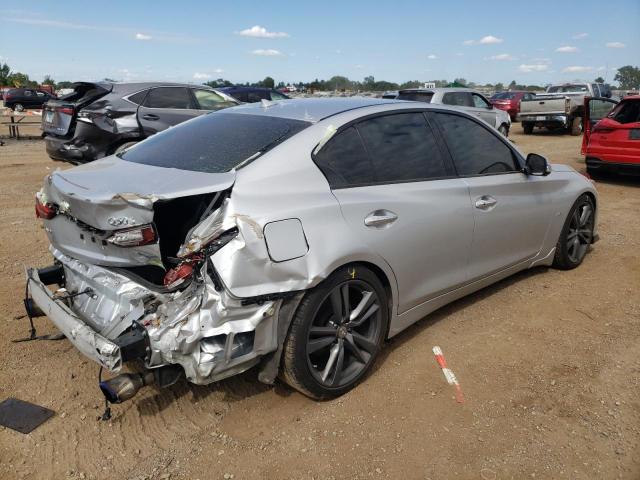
column 628, row 77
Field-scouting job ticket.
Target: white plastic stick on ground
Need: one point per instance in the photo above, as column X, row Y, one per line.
column 448, row 373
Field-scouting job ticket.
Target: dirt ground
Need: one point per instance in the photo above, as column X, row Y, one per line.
column 549, row 363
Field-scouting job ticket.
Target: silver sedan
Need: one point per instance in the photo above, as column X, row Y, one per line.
column 294, row 236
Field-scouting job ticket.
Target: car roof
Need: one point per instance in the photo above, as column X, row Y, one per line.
column 310, row 109
column 440, row 89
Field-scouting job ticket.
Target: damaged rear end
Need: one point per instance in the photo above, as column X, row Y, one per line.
column 133, row 278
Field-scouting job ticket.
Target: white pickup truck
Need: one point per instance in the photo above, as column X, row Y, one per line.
column 561, row 106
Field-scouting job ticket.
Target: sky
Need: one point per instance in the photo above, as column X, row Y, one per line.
column 194, row 41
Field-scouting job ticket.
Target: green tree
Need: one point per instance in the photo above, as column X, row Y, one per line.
column 512, row 85
column 599, row 80
column 48, row 80
column 220, row 82
column 460, row 81
column 19, row 79
column 628, row 77
column 64, row 84
column 5, row 74
column 269, row 82
column 499, row 87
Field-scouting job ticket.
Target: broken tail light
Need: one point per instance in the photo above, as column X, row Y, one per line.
column 65, row 110
column 133, row 237
column 45, row 210
column 177, row 275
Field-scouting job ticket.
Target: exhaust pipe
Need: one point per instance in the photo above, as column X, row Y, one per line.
column 125, row 386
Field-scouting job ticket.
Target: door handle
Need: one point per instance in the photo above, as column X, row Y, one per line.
column 150, row 116
column 486, row 202
column 380, row 219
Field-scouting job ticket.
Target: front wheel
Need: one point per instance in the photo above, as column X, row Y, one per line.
column 336, row 333
column 527, row 128
column 18, row 107
column 576, row 234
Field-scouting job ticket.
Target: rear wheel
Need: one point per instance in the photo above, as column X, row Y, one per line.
column 336, row 333
column 576, row 126
column 576, row 235
column 18, row 107
column 527, row 127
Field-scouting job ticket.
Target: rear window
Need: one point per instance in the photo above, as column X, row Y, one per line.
column 214, row 143
column 504, row 96
column 627, row 112
column 83, row 92
column 567, row 88
column 416, row 96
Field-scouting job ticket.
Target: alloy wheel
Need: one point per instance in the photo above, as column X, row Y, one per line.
column 580, row 232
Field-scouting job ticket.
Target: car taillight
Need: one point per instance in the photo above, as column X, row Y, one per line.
column 177, row 275
column 45, row 210
column 133, row 237
column 65, row 110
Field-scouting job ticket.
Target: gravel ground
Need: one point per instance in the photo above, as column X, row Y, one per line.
column 549, row 363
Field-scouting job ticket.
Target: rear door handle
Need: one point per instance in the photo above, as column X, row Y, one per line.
column 150, row 116
column 380, row 218
column 486, row 202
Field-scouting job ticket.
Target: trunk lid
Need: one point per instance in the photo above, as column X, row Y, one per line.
column 99, row 198
column 59, row 115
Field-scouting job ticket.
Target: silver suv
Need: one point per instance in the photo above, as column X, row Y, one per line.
column 465, row 98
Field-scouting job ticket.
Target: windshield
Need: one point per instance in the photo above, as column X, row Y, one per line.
column 214, row 143
column 504, row 96
column 416, row 96
column 567, row 88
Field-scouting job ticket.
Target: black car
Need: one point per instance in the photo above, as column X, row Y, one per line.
column 20, row 98
column 99, row 119
column 253, row 94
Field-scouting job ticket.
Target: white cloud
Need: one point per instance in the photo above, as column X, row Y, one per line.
column 201, row 76
column 576, row 69
column 270, row 52
column 601, row 68
column 502, row 56
column 486, row 40
column 490, row 39
column 432, row 57
column 359, row 66
column 580, row 36
column 567, row 49
column 533, row 67
column 615, row 45
column 260, row 32
column 142, row 36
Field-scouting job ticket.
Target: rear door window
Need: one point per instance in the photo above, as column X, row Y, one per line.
column 208, row 100
column 402, row 148
column 475, row 149
column 344, row 160
column 627, row 112
column 460, row 99
column 169, row 97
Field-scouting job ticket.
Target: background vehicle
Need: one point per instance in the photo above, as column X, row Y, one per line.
column 21, row 98
column 561, row 106
column 510, row 101
column 464, row 98
column 217, row 258
column 99, row 119
column 611, row 140
column 253, row 94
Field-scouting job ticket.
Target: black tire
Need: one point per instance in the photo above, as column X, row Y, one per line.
column 123, row 147
column 356, row 345
column 18, row 107
column 576, row 126
column 576, row 235
column 527, row 128
column 504, row 129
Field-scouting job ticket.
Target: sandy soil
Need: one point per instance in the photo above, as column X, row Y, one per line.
column 549, row 363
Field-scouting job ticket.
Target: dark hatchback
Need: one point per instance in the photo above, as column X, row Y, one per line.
column 99, row 119
column 20, row 99
column 253, row 94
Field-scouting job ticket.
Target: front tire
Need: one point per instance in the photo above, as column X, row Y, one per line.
column 576, row 126
column 576, row 234
column 336, row 333
column 527, row 128
column 18, row 107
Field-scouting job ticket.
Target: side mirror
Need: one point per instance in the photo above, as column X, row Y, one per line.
column 536, row 165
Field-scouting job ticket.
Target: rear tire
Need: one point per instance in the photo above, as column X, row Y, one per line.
column 335, row 337
column 527, row 128
column 18, row 107
column 576, row 126
column 576, row 235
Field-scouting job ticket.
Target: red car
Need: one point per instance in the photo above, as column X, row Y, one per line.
column 510, row 101
column 611, row 138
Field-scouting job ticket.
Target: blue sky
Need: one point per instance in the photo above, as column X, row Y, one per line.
column 530, row 42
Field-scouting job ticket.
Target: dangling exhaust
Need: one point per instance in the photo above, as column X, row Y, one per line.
column 123, row 387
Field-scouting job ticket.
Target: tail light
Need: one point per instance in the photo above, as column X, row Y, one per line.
column 177, row 275
column 65, row 110
column 133, row 237
column 45, row 210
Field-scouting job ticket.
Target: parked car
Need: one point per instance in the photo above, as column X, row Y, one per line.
column 20, row 99
column 611, row 140
column 561, row 106
column 99, row 119
column 464, row 98
column 253, row 94
column 510, row 101
column 204, row 250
